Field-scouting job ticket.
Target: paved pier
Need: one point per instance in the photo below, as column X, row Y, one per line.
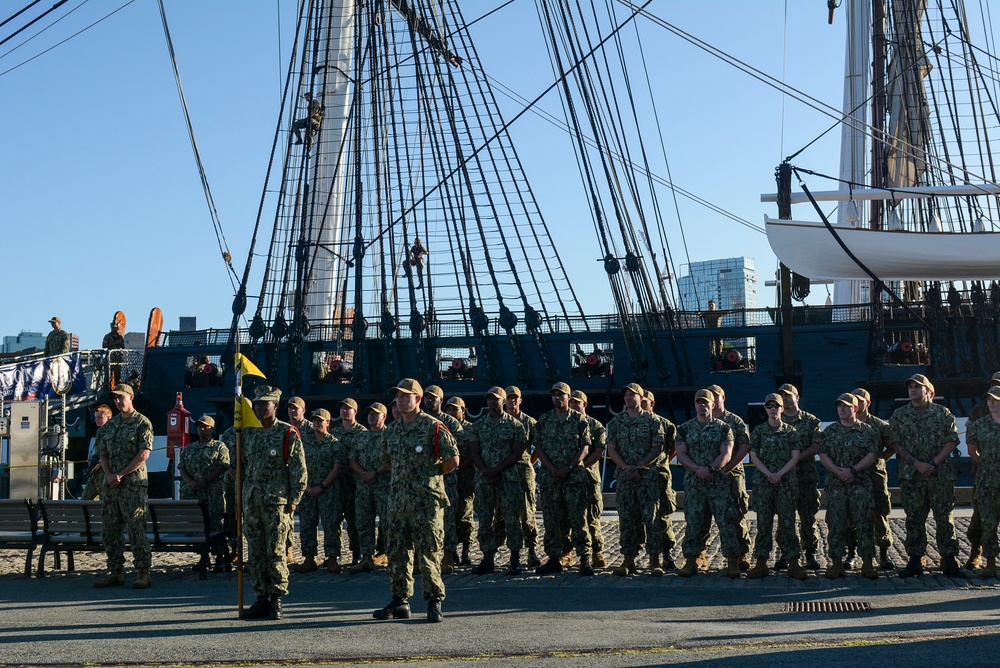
column 561, row 620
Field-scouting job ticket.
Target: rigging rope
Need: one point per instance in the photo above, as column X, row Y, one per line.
column 209, row 200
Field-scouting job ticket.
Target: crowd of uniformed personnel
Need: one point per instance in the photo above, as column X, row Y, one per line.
column 423, row 474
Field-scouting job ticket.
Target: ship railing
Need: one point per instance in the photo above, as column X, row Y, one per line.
column 455, row 326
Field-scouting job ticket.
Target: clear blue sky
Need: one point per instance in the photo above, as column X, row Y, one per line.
column 103, row 209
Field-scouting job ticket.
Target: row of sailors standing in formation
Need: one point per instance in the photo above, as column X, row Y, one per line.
column 352, row 473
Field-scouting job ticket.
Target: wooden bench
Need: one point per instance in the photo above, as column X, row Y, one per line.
column 19, row 529
column 172, row 526
column 69, row 526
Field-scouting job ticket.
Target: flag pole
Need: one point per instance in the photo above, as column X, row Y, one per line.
column 239, row 479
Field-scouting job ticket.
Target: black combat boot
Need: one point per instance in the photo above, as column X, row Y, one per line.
column 275, row 607
column 950, row 567
column 466, row 559
column 553, row 565
column 487, row 565
column 533, row 560
column 514, row 568
column 811, row 561
column 884, row 561
column 398, row 608
column 914, row 568
column 259, row 610
column 434, row 613
column 781, row 564
column 586, row 565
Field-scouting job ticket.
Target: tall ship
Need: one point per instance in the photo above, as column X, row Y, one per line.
column 398, row 234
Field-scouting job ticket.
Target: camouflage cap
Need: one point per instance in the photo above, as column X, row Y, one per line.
column 297, row 401
column 560, row 388
column 717, row 391
column 788, row 388
column 920, row 379
column 55, row 318
column 862, row 393
column 321, row 413
column 206, row 420
column 434, row 391
column 350, row 403
column 409, row 386
column 579, row 395
column 123, row 389
column 776, row 398
column 994, row 393
column 378, row 407
column 634, row 388
column 995, row 380
column 497, row 391
column 460, row 402
column 266, row 393
column 704, row 394
column 847, row 399
column 513, row 391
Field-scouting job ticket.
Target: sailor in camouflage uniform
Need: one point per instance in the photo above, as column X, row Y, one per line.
column 96, row 483
column 297, row 418
column 810, row 437
column 880, row 482
column 228, row 438
column 325, row 459
column 432, row 403
column 668, row 497
column 347, row 432
column 924, row 434
column 598, row 441
column 203, row 466
column 419, row 451
column 372, row 484
column 562, row 441
column 734, row 470
column 975, row 531
column 849, row 448
column 273, row 467
column 125, row 443
column 526, row 467
column 496, row 443
column 704, row 447
column 635, row 443
column 455, row 407
column 774, row 451
column 983, row 439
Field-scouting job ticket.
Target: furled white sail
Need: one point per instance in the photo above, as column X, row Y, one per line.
column 809, row 249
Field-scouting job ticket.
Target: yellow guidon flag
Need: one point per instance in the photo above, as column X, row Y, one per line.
column 243, row 410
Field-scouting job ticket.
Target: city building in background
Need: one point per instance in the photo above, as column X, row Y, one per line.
column 730, row 282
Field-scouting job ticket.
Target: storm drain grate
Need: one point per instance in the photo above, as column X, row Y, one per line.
column 828, row 606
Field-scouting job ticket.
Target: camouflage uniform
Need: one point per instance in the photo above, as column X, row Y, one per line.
column 321, row 456
column 228, row 437
column 527, row 470
column 347, row 484
column 97, row 483
column 598, row 439
column 985, row 434
column 668, row 498
column 880, row 483
column 737, row 482
column 199, row 460
column 57, row 343
column 638, row 500
column 372, row 498
column 850, row 503
column 808, row 427
column 923, row 435
column 975, row 531
column 466, row 489
column 451, row 485
column 270, row 483
column 417, row 500
column 125, row 507
column 495, row 439
column 705, row 499
column 561, row 437
column 774, row 448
